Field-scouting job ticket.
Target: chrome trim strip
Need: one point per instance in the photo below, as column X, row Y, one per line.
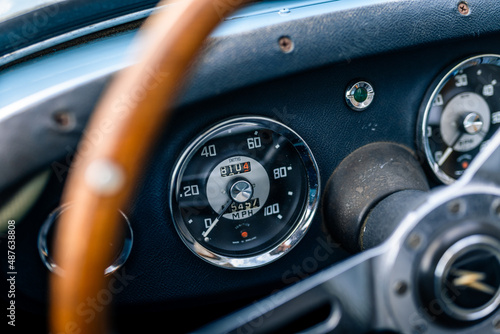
column 51, row 42
column 48, row 43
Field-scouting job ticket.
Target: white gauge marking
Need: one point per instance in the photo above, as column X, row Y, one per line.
column 193, row 190
column 209, row 151
column 254, row 143
column 438, row 101
column 279, row 173
column 495, row 117
column 208, row 222
column 272, row 209
column 290, row 193
column 488, row 90
column 461, row 80
column 210, row 228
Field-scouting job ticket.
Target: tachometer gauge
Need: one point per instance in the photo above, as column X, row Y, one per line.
column 244, row 192
column 460, row 115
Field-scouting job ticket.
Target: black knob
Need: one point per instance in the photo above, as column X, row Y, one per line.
column 363, row 179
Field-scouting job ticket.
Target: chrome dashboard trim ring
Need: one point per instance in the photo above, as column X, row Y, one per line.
column 350, row 96
column 48, row 261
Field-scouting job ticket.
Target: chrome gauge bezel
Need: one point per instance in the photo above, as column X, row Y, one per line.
column 435, row 89
column 301, row 224
column 49, row 225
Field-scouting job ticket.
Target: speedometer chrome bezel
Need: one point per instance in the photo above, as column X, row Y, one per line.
column 435, row 89
column 300, row 226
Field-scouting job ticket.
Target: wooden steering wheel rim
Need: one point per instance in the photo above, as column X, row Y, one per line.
column 126, row 122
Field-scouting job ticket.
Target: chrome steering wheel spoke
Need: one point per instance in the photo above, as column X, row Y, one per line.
column 398, row 285
column 485, row 169
column 346, row 291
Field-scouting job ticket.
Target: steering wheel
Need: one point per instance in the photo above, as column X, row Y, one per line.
column 428, row 276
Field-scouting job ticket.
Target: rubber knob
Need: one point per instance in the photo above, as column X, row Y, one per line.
column 363, row 179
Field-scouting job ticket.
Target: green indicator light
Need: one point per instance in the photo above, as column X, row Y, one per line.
column 360, row 94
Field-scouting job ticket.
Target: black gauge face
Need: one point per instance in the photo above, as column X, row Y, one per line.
column 244, row 192
column 461, row 116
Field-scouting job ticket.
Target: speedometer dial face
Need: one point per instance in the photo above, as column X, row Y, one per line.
column 244, row 193
column 461, row 115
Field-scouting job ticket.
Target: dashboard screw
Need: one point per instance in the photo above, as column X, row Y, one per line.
column 400, row 288
column 63, row 120
column 463, row 8
column 496, row 209
column 419, row 328
column 284, row 11
column 414, row 241
column 496, row 324
column 286, row 44
column 456, row 208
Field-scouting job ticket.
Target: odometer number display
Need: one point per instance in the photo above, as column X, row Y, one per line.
column 239, row 168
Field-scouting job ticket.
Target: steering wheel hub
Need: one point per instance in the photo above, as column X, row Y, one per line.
column 456, row 266
column 467, row 278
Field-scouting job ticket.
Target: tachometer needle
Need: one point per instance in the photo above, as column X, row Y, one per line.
column 449, row 150
column 445, row 155
column 216, row 220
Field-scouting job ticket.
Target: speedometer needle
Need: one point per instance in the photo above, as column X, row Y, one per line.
column 216, row 220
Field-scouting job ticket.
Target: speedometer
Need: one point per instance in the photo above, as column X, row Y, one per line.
column 460, row 115
column 244, row 193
